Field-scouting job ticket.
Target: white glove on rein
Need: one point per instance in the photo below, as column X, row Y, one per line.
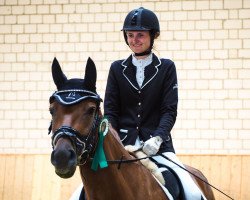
column 152, row 145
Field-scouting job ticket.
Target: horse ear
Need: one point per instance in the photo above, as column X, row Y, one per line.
column 90, row 75
column 58, row 76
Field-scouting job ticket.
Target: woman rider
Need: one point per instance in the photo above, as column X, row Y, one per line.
column 142, row 95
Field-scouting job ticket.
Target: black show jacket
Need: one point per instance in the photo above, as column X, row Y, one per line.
column 146, row 111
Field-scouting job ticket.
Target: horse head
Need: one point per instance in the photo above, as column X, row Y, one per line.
column 75, row 117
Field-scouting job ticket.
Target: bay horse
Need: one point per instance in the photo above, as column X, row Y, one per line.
column 82, row 137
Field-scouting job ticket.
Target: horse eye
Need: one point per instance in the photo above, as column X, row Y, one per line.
column 51, row 111
column 91, row 110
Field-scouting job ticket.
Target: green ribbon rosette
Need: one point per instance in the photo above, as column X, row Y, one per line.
column 99, row 157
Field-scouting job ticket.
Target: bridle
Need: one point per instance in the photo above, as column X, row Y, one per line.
column 84, row 145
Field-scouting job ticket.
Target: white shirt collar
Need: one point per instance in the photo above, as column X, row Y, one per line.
column 142, row 62
column 140, row 67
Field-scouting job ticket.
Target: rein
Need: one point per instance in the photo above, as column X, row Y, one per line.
column 119, row 162
column 195, row 176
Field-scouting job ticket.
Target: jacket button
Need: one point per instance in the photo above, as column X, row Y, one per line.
column 137, row 127
column 139, row 115
column 139, row 103
column 139, row 92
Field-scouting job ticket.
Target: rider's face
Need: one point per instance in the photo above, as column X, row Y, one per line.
column 139, row 41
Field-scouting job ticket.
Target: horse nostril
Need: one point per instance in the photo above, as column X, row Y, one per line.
column 63, row 158
column 72, row 157
column 52, row 158
column 59, row 159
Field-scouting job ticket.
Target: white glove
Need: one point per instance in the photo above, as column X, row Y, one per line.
column 152, row 146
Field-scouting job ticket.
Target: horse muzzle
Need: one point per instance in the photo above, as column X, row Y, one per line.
column 64, row 159
column 63, row 156
column 69, row 151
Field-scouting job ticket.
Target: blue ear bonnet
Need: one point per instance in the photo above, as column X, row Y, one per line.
column 72, row 91
column 74, row 96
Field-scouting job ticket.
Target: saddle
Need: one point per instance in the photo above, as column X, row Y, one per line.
column 165, row 176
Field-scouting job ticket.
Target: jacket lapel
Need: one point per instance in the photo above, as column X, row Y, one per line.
column 151, row 71
column 129, row 71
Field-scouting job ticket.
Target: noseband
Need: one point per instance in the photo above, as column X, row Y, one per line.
column 84, row 145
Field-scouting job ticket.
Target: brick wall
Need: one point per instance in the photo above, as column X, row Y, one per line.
column 208, row 40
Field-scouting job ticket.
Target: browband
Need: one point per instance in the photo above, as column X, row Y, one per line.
column 73, row 96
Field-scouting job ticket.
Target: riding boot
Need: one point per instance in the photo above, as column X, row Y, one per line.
column 172, row 184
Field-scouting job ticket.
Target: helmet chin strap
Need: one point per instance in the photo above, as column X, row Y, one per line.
column 147, row 52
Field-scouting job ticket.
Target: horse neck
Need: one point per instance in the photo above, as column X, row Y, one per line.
column 113, row 150
column 110, row 182
column 113, row 147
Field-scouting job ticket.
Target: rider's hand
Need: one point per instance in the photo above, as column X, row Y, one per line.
column 152, row 146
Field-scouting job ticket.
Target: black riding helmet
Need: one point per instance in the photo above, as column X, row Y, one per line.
column 142, row 19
